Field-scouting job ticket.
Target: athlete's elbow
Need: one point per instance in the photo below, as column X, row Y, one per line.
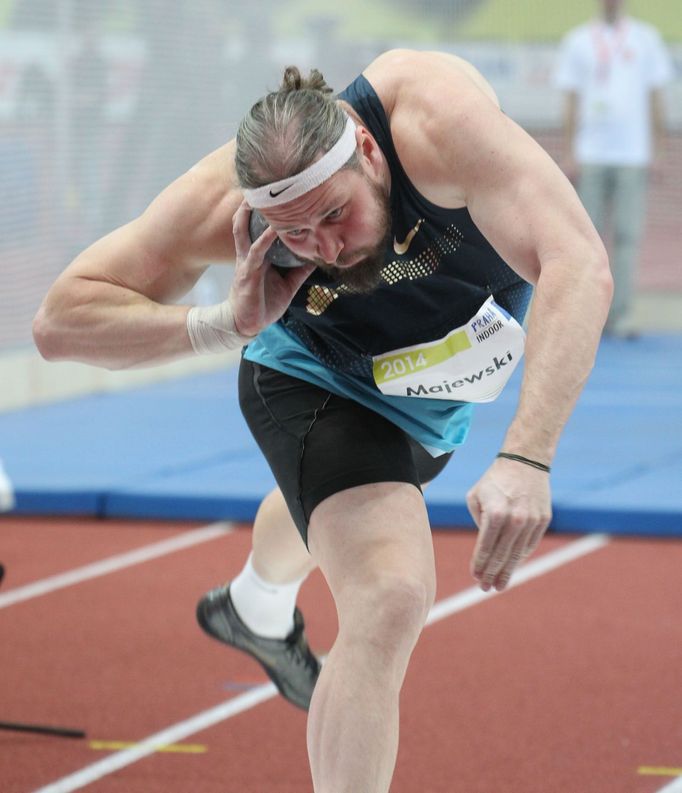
column 593, row 273
column 46, row 335
column 602, row 280
column 52, row 327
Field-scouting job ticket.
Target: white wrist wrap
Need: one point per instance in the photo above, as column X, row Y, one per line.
column 212, row 329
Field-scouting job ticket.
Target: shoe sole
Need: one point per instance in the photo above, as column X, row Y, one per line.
column 206, row 627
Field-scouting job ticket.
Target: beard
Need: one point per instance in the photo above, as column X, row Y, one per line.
column 365, row 276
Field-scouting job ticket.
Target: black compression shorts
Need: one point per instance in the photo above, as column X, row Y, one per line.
column 318, row 443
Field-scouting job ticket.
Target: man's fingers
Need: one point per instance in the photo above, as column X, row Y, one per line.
column 495, row 567
column 497, row 560
column 250, row 253
column 526, row 543
column 512, row 508
column 490, row 524
column 254, row 257
column 482, row 541
column 515, row 556
column 538, row 533
column 240, row 230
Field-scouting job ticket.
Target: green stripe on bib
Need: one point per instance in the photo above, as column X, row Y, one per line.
column 395, row 365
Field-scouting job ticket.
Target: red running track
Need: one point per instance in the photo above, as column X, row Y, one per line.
column 567, row 683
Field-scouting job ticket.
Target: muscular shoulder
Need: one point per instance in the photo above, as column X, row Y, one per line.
column 411, row 74
column 435, row 102
column 194, row 213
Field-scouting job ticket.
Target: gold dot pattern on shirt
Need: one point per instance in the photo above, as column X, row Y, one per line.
column 319, row 299
column 450, row 241
column 423, row 265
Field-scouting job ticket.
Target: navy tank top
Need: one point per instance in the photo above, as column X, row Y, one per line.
column 330, row 335
column 442, row 279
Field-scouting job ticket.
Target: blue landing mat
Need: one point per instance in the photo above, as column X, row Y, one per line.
column 182, row 450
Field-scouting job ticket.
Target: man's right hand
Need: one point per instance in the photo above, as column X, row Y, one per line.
column 260, row 294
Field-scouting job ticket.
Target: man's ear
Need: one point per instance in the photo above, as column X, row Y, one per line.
column 369, row 148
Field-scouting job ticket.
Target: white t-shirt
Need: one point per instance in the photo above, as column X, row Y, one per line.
column 613, row 69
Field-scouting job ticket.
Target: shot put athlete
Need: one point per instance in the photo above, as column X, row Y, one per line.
column 418, row 215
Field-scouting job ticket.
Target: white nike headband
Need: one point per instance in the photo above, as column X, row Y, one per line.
column 293, row 187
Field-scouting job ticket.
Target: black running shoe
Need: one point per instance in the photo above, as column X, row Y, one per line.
column 289, row 662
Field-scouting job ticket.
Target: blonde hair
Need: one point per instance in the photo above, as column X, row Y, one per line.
column 286, row 130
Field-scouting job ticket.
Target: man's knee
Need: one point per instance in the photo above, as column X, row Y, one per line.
column 389, row 610
column 410, row 596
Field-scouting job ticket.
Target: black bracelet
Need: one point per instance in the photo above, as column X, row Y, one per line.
column 520, row 459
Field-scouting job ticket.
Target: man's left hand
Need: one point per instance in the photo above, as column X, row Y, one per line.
column 511, row 505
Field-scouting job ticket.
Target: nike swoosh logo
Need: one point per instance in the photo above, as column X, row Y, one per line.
column 402, row 247
column 279, row 192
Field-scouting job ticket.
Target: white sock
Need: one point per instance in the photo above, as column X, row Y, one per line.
column 267, row 609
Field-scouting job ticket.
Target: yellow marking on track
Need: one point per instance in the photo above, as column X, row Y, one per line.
column 652, row 770
column 180, row 748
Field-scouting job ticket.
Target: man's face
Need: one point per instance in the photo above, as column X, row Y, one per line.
column 343, row 226
column 611, row 8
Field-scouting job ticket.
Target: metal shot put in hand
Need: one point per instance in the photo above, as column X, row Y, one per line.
column 277, row 254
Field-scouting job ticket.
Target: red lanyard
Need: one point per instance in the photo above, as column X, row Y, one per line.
column 606, row 50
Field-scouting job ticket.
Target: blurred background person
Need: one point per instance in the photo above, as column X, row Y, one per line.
column 612, row 70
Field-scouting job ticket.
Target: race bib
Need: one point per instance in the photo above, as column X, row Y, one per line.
column 471, row 364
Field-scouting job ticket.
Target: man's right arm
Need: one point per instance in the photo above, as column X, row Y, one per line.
column 112, row 306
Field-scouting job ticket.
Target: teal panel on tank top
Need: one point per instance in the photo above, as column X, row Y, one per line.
column 439, row 425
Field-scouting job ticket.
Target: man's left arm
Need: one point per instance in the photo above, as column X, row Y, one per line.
column 529, row 212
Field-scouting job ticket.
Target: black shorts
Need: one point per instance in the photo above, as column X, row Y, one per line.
column 318, row 443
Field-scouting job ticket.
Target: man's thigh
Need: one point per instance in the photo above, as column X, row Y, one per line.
column 371, row 539
column 318, row 444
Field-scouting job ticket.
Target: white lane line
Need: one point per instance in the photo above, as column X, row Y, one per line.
column 673, row 787
column 175, row 734
column 543, row 564
column 178, row 732
column 114, row 563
